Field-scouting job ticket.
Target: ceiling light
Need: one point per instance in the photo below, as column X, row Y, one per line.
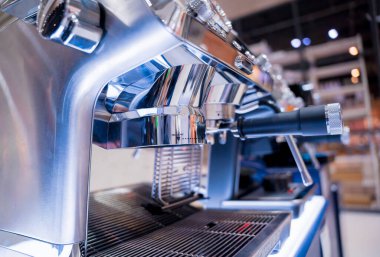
column 355, row 73
column 295, row 43
column 333, row 33
column 306, row 41
column 353, row 50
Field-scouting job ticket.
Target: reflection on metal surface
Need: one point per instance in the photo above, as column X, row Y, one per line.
column 25, row 10
column 6, row 20
column 18, row 246
column 221, row 103
column 162, row 108
column 208, row 12
column 75, row 23
column 12, row 10
column 243, row 64
column 153, row 105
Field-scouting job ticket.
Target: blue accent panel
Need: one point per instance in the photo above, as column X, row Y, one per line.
column 223, row 170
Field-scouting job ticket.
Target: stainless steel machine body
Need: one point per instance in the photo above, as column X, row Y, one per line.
column 50, row 95
column 131, row 73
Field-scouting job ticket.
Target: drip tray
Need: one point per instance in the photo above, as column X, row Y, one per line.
column 120, row 224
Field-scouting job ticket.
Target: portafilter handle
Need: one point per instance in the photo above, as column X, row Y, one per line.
column 308, row 121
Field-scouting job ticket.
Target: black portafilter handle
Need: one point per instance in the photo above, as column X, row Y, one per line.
column 344, row 138
column 309, row 121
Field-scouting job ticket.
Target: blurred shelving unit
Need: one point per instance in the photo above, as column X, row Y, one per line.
column 337, row 72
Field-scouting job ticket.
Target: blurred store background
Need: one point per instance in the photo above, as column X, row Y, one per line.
column 331, row 47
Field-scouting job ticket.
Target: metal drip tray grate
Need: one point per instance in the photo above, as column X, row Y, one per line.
column 118, row 215
column 120, row 226
column 177, row 175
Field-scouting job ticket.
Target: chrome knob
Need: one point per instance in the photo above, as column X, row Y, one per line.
column 243, row 64
column 223, row 15
column 212, row 14
column 262, row 62
column 202, row 9
column 74, row 23
column 334, row 121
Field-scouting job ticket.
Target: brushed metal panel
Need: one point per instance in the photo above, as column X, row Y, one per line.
column 47, row 96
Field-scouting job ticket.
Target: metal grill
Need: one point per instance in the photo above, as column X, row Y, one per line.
column 121, row 225
column 116, row 216
column 177, row 174
column 207, row 233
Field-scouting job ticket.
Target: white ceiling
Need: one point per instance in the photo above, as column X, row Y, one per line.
column 240, row 8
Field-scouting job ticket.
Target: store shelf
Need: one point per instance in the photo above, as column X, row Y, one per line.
column 313, row 52
column 355, row 113
column 335, row 69
column 331, row 48
column 343, row 90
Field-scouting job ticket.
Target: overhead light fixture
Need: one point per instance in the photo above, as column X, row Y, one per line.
column 353, row 50
column 355, row 73
column 306, row 41
column 296, row 43
column 333, row 33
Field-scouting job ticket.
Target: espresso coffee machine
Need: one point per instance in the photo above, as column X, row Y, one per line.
column 170, row 74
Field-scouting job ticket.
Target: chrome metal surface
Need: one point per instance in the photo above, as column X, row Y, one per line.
column 243, row 64
column 221, row 102
column 208, row 12
column 262, row 62
column 23, row 246
column 25, row 10
column 159, row 105
column 304, row 172
column 47, row 97
column 74, row 23
column 177, row 174
column 4, row 252
column 334, row 120
column 46, row 140
column 6, row 20
column 153, row 106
